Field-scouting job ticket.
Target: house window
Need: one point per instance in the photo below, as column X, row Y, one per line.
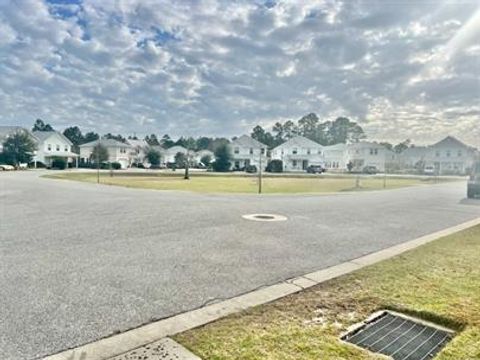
column 294, row 163
column 319, row 152
column 49, row 147
column 236, row 150
column 251, row 151
column 282, row 151
column 66, row 148
column 448, row 153
column 263, row 151
column 58, row 147
column 437, row 153
column 294, row 151
column 459, row 153
column 308, row 151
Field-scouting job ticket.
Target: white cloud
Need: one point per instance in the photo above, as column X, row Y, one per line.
column 219, row 67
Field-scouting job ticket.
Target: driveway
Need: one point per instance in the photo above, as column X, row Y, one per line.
column 82, row 261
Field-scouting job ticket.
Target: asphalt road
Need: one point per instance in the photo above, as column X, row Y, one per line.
column 81, row 261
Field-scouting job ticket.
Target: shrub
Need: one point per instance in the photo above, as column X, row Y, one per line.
column 251, row 169
column 59, row 163
column 275, row 166
column 116, row 166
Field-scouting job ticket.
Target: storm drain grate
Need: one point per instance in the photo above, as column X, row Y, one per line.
column 399, row 337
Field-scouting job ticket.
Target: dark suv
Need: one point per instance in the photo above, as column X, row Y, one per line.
column 473, row 187
column 315, row 169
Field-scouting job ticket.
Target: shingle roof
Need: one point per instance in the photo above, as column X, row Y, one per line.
column 106, row 143
column 300, row 141
column 451, row 141
column 43, row 135
column 248, row 142
column 176, row 149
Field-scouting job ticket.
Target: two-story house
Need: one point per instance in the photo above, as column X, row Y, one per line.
column 450, row 156
column 117, row 151
column 138, row 151
column 298, row 153
column 247, row 151
column 51, row 145
column 365, row 153
column 335, row 157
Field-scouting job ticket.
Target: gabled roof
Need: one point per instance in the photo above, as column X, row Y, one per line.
column 247, row 142
column 300, row 141
column 106, row 143
column 176, row 149
column 43, row 135
column 137, row 143
column 339, row 146
column 451, row 141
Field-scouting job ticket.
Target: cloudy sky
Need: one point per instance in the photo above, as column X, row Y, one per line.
column 401, row 68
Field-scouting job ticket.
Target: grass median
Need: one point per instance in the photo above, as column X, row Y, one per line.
column 439, row 282
column 244, row 184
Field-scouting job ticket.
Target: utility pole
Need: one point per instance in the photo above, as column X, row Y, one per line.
column 260, row 174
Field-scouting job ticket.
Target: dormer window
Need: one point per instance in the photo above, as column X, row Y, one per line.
column 251, row 151
column 49, row 147
column 236, row 150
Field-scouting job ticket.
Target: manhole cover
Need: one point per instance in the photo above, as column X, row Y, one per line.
column 264, row 217
column 400, row 337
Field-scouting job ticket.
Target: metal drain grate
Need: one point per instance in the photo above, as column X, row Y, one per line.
column 399, row 337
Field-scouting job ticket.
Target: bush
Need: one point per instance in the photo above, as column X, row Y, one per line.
column 116, row 166
column 251, row 169
column 59, row 163
column 275, row 166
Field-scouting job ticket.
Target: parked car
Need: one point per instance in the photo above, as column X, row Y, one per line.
column 429, row 170
column 6, row 167
column 315, row 169
column 473, row 186
column 370, row 169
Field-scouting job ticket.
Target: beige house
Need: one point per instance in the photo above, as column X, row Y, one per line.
column 117, row 151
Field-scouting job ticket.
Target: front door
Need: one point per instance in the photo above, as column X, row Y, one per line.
column 304, row 164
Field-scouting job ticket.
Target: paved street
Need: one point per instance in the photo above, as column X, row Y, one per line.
column 80, row 261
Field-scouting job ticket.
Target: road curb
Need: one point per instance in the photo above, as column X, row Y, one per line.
column 118, row 344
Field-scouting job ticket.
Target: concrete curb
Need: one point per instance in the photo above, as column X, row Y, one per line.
column 118, row 344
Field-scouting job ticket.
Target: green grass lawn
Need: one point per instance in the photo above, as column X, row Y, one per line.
column 241, row 184
column 439, row 282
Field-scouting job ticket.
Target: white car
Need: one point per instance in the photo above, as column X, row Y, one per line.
column 6, row 167
column 429, row 170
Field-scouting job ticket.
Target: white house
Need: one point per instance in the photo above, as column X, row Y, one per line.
column 138, row 151
column 51, row 145
column 117, row 151
column 366, row 153
column 450, row 156
column 335, row 157
column 247, row 151
column 298, row 153
column 169, row 154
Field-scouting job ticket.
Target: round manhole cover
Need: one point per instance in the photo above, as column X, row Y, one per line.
column 264, row 217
